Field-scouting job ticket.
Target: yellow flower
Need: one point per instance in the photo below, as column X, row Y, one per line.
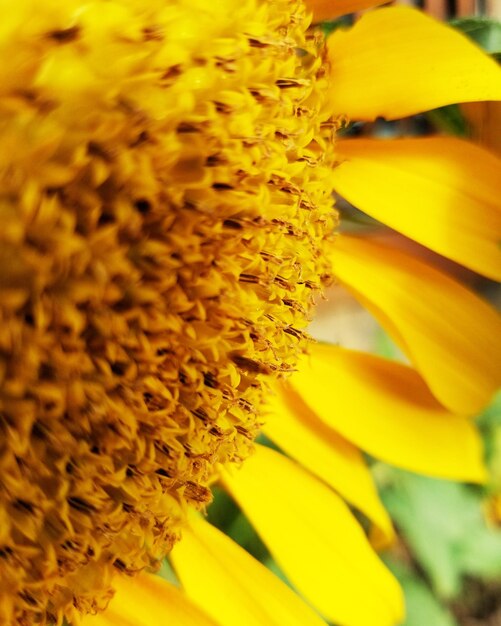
column 166, row 174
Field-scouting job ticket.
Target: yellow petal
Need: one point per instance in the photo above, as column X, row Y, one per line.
column 327, row 9
column 443, row 192
column 397, row 61
column 292, row 425
column 316, row 541
column 147, row 600
column 231, row 585
column 386, row 409
column 452, row 336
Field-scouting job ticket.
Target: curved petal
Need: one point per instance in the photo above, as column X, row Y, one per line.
column 328, row 9
column 146, row 600
column 442, row 192
column 386, row 409
column 231, row 585
column 397, row 61
column 316, row 541
column 293, row 426
column 452, row 336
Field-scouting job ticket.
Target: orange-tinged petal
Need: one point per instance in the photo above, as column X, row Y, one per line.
column 397, row 61
column 316, row 541
column 231, row 585
column 386, row 409
column 292, row 425
column 327, row 9
column 146, row 600
column 440, row 191
column 452, row 336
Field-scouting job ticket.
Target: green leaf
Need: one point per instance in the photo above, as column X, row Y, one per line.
column 421, row 605
column 489, row 423
column 167, row 573
column 491, row 417
column 330, row 26
column 484, row 31
column 445, row 529
column 385, row 346
column 449, row 119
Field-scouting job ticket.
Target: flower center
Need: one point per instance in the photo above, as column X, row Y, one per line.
column 165, row 197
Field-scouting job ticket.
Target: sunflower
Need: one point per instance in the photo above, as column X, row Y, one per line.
column 167, row 171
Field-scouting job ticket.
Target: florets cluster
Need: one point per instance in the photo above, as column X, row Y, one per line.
column 165, row 201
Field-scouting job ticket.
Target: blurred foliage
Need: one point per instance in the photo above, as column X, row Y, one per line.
column 449, row 546
column 445, row 529
column 484, row 31
column 448, row 558
column 449, row 120
column 421, row 605
column 330, row 26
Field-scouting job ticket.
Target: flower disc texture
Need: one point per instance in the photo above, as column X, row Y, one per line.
column 165, row 205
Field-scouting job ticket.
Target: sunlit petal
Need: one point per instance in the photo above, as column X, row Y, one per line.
column 293, row 426
column 397, row 61
column 232, row 586
column 452, row 336
column 316, row 541
column 386, row 409
column 147, row 600
column 440, row 191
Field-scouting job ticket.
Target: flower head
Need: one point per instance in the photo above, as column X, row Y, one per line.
column 166, row 179
column 166, row 184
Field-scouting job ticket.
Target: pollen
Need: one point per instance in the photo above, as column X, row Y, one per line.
column 165, row 201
